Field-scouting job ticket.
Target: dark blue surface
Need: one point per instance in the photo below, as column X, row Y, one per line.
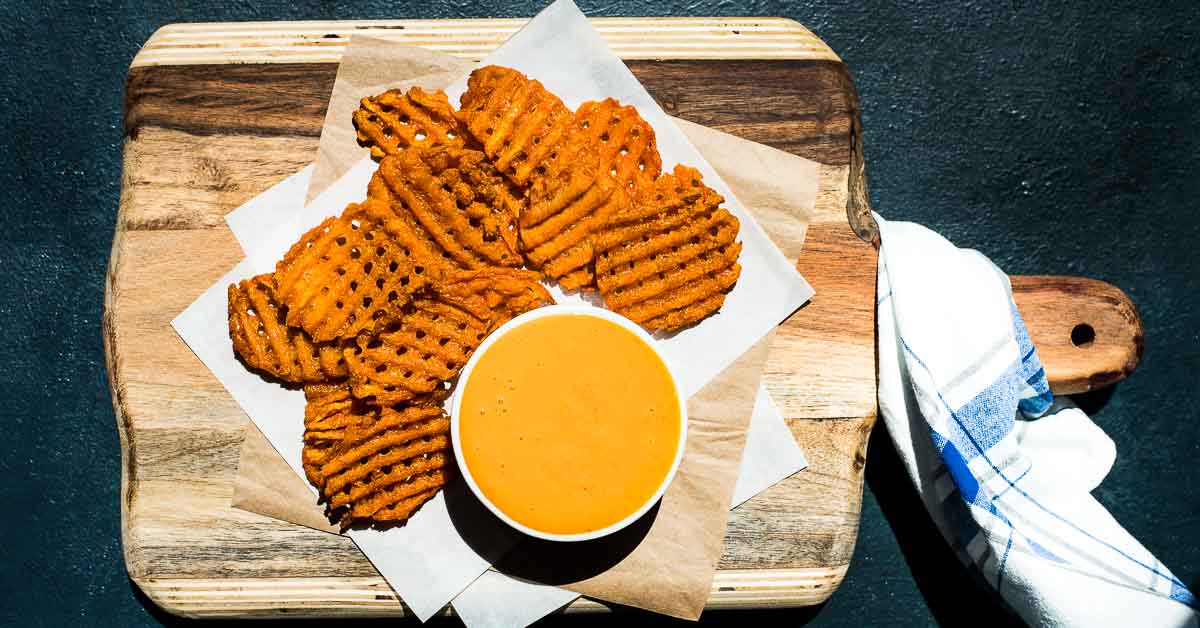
column 1057, row 139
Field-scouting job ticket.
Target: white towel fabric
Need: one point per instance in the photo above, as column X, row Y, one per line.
column 959, row 382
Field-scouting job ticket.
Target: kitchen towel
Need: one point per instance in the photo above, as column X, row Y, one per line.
column 1003, row 468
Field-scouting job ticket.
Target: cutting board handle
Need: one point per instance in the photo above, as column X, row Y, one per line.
column 1087, row 332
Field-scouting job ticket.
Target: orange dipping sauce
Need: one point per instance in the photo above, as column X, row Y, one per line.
column 569, row 423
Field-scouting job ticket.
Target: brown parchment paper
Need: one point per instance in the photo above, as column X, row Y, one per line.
column 670, row 569
column 370, row 66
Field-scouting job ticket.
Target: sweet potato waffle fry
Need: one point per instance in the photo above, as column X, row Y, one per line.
column 428, row 211
column 625, row 142
column 383, row 470
column 494, row 295
column 667, row 261
column 264, row 341
column 457, row 199
column 580, row 168
column 416, row 355
column 329, row 411
column 626, row 160
column 377, row 310
column 390, row 122
column 351, row 272
column 518, row 122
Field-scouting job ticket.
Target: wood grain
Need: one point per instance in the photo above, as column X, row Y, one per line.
column 215, row 114
column 1087, row 332
column 631, row 38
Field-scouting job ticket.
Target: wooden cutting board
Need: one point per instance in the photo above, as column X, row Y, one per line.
column 216, row 113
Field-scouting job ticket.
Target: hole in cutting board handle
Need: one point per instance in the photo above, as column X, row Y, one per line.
column 1082, row 335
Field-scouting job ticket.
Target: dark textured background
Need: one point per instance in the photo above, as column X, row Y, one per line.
column 1056, row 139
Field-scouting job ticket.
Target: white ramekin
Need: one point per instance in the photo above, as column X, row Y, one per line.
column 543, row 312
